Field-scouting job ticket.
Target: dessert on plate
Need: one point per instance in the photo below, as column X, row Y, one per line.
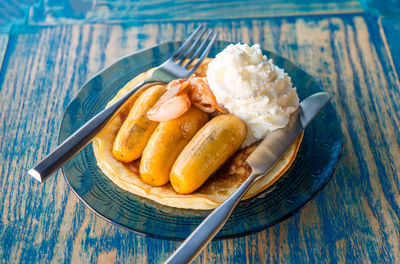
column 184, row 144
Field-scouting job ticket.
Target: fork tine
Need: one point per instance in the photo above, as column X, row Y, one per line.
column 199, row 49
column 191, row 49
column 186, row 43
column 205, row 53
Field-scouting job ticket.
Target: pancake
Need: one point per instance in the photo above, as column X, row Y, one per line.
column 214, row 191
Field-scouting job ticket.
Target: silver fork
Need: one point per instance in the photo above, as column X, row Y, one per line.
column 171, row 69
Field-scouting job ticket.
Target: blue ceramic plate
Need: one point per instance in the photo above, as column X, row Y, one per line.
column 309, row 173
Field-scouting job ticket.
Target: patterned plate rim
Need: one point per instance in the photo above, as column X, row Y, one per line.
column 332, row 163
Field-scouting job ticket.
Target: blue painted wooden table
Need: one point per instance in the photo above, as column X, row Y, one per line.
column 48, row 49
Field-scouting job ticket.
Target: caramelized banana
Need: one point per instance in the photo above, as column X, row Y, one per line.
column 219, row 139
column 165, row 144
column 137, row 128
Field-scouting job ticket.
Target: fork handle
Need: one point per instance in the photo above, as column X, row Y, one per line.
column 78, row 140
column 210, row 226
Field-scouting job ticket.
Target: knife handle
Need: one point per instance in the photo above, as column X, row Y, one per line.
column 210, row 226
column 78, row 140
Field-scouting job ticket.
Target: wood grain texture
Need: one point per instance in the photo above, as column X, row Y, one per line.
column 3, row 47
column 354, row 219
column 13, row 12
column 391, row 36
column 117, row 11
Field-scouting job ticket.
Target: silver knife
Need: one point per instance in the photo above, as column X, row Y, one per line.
column 261, row 161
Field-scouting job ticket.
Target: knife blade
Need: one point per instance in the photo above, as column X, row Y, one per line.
column 267, row 153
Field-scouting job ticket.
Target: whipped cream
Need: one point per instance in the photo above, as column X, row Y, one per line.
column 251, row 87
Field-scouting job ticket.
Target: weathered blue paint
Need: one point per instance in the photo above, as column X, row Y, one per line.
column 391, row 26
column 354, row 219
column 163, row 10
column 382, row 8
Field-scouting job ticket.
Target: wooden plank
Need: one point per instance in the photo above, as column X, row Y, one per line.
column 120, row 11
column 3, row 47
column 12, row 12
column 382, row 8
column 355, row 218
column 390, row 33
